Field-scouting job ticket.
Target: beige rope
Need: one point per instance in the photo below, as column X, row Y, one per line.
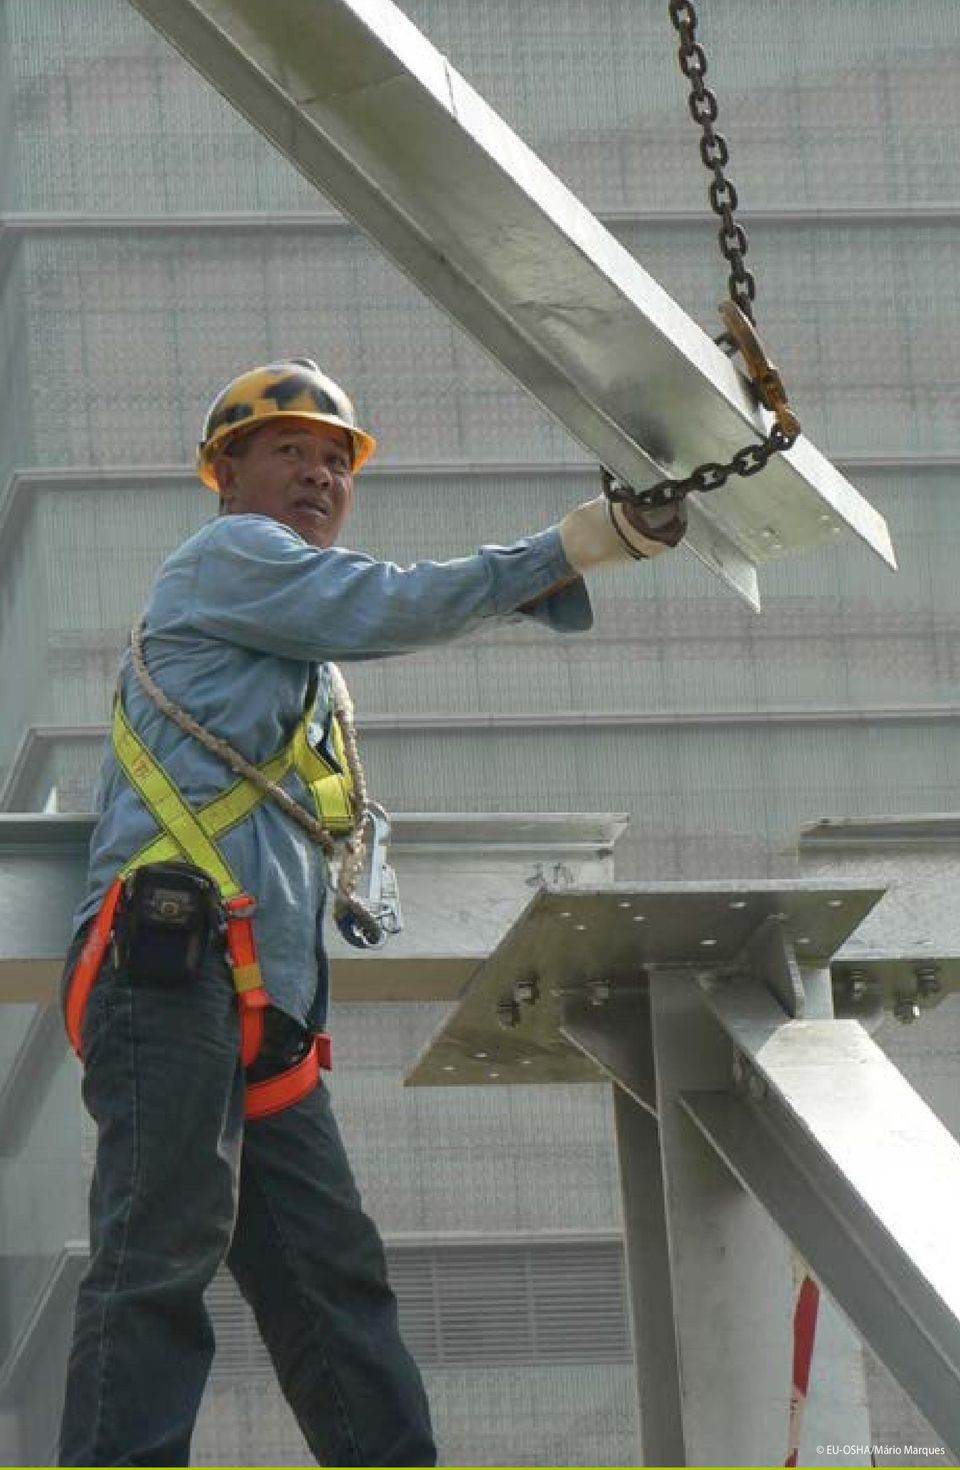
column 351, row 861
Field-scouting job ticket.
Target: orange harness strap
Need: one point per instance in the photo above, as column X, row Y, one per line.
column 247, row 979
column 88, row 966
column 280, row 1092
column 263, row 1098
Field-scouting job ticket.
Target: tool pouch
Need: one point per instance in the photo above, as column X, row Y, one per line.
column 168, row 915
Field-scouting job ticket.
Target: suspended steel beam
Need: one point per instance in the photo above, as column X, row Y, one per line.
column 367, row 109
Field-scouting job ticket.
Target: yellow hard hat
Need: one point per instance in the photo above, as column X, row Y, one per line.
column 292, row 389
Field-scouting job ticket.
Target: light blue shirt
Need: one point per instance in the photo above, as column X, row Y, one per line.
column 240, row 618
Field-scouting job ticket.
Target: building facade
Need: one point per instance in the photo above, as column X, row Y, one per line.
column 152, row 245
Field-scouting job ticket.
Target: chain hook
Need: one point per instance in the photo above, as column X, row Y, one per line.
column 764, row 374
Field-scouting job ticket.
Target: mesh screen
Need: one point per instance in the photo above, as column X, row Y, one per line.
column 132, row 335
column 119, row 337
column 823, row 104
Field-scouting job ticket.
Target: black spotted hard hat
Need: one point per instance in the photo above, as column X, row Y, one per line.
column 293, row 389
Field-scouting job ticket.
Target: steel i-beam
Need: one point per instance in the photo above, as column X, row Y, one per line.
column 372, row 114
column 748, row 1121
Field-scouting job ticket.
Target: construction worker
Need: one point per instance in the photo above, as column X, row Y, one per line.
column 196, row 986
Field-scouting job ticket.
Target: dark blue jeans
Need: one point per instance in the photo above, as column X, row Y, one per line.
column 180, row 1185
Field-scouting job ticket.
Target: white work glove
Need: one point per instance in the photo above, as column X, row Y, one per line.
column 603, row 531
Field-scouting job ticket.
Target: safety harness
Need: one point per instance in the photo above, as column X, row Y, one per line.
column 191, row 835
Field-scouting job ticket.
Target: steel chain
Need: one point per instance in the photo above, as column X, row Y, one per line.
column 732, row 236
column 704, row 110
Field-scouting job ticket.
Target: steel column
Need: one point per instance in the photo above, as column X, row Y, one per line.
column 731, row 1267
column 650, row 1284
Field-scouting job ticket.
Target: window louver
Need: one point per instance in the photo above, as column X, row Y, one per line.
column 477, row 1306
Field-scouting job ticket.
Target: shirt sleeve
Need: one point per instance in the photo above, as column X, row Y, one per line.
column 260, row 585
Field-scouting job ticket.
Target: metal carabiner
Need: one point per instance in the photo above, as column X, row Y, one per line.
column 376, row 888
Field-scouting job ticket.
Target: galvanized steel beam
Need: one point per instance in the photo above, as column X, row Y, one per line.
column 859, row 1173
column 463, row 879
column 369, row 111
column 713, row 1008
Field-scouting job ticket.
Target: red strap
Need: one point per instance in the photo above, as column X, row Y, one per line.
column 252, row 1007
column 263, row 1098
column 88, row 966
column 247, row 979
column 804, row 1335
column 287, row 1088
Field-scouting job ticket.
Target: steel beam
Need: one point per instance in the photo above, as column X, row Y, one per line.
column 463, row 879
column 650, row 1284
column 859, row 1173
column 728, row 1263
column 369, row 111
column 754, row 1130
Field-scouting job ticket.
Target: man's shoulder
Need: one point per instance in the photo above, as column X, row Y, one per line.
column 232, row 562
column 245, row 536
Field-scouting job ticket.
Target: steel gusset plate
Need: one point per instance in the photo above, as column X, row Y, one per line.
column 578, row 957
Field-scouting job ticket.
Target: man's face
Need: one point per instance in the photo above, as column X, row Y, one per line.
column 297, row 472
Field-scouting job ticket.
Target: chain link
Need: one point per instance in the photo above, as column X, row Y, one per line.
column 711, row 476
column 732, row 236
column 705, row 110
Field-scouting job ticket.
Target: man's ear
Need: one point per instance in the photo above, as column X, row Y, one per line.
column 225, row 474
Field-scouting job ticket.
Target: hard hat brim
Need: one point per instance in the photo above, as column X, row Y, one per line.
column 364, row 444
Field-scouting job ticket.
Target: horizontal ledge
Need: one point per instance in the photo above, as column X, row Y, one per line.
column 40, row 737
column 376, row 723
column 414, row 1239
column 372, row 978
column 413, row 832
column 655, row 719
column 108, row 477
column 46, row 222
column 879, row 832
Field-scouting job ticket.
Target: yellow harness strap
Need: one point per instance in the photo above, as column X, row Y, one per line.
column 186, row 832
column 332, row 790
column 191, row 833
